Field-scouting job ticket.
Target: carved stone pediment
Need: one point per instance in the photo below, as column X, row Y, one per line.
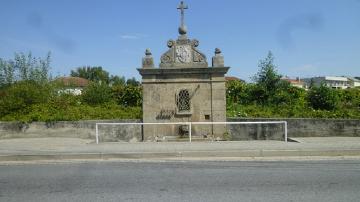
column 183, row 53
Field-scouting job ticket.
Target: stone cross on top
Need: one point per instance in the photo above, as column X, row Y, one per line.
column 183, row 52
column 182, row 28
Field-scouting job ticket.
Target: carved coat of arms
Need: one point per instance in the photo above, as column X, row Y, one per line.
column 183, row 54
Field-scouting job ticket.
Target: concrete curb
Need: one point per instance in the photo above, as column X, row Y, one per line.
column 179, row 155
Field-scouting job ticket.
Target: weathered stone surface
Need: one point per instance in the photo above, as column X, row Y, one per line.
column 218, row 59
column 78, row 129
column 160, row 88
column 183, row 89
column 183, row 53
column 148, row 61
column 297, row 127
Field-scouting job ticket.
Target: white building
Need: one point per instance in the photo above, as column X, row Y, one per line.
column 336, row 82
column 294, row 82
column 354, row 82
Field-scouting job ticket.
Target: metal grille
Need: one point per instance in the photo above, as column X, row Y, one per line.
column 183, row 102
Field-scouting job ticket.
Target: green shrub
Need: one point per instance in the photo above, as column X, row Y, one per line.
column 96, row 94
column 127, row 95
column 350, row 98
column 49, row 113
column 22, row 95
column 322, row 98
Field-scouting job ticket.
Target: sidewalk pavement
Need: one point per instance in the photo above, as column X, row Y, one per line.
column 34, row 149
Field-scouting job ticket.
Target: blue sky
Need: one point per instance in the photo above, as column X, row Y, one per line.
column 307, row 37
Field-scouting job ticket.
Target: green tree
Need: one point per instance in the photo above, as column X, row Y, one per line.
column 32, row 68
column 132, row 82
column 7, row 73
column 95, row 74
column 117, row 81
column 25, row 68
column 323, row 98
column 267, row 79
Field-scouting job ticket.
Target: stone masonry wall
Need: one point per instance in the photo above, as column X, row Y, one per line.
column 78, row 129
column 297, row 127
column 132, row 133
column 161, row 88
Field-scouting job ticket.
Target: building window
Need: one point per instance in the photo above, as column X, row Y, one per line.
column 183, row 101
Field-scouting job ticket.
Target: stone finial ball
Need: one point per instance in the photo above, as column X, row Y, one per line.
column 182, row 30
column 147, row 52
column 217, row 51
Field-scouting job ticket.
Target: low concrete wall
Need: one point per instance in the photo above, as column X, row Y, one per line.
column 255, row 131
column 133, row 133
column 79, row 129
column 297, row 127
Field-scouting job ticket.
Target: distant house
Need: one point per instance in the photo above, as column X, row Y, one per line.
column 336, row 82
column 294, row 82
column 72, row 85
column 354, row 82
column 233, row 78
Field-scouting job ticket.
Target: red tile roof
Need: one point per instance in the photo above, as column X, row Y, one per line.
column 293, row 81
column 232, row 78
column 73, row 81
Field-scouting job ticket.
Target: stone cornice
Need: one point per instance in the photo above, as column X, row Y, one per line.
column 177, row 71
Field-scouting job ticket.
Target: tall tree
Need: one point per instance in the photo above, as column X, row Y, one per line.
column 132, row 82
column 117, row 81
column 96, row 74
column 7, row 73
column 267, row 78
column 24, row 68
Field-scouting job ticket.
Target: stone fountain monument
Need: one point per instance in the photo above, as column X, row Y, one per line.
column 183, row 89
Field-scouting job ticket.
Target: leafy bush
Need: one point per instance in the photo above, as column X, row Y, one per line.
column 49, row 113
column 22, row 95
column 96, row 94
column 33, row 98
column 128, row 95
column 322, row 98
column 350, row 98
column 270, row 96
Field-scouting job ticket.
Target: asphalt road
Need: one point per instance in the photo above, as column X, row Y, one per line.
column 182, row 181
